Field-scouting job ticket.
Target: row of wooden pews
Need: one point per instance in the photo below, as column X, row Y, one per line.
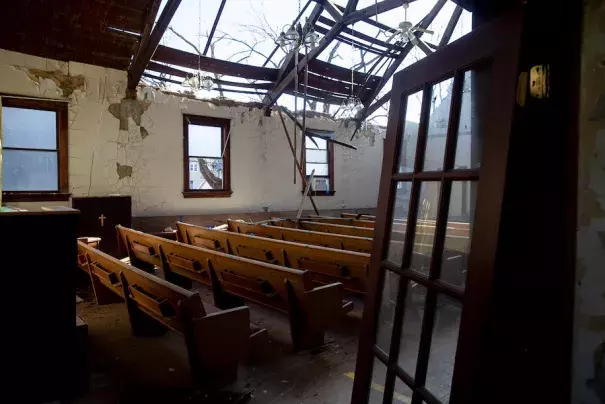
column 216, row 340
column 326, row 265
column 331, row 240
column 233, row 279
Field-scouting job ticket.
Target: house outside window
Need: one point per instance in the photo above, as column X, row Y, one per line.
column 34, row 150
column 206, row 157
column 319, row 156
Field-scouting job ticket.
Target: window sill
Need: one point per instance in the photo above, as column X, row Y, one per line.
column 320, row 193
column 207, row 194
column 35, row 196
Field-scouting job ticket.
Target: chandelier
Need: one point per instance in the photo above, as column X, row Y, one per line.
column 294, row 37
column 352, row 105
column 199, row 82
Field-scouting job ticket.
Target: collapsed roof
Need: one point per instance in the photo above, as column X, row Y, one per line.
column 358, row 51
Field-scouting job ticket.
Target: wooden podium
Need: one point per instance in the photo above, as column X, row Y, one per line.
column 99, row 217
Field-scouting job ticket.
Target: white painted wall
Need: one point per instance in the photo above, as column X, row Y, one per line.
column 262, row 165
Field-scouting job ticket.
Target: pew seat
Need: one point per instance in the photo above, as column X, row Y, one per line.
column 233, row 280
column 216, row 340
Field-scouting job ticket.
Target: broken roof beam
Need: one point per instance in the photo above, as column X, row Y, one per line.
column 144, row 53
column 375, row 9
column 360, row 35
column 285, row 79
column 149, row 21
column 370, row 21
column 328, row 139
column 358, row 45
column 216, row 20
column 334, row 11
column 451, row 26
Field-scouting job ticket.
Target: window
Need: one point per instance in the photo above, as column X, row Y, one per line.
column 206, row 157
column 34, row 150
column 319, row 156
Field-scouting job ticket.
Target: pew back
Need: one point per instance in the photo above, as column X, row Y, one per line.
column 336, row 241
column 326, row 264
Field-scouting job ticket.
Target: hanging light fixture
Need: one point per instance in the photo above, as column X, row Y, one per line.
column 352, row 105
column 199, row 81
column 294, row 37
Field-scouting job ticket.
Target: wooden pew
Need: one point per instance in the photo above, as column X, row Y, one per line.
column 325, row 228
column 327, row 265
column 342, row 221
column 215, row 342
column 93, row 242
column 233, row 279
column 360, row 216
column 337, row 241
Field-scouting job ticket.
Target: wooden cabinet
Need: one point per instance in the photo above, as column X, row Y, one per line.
column 100, row 215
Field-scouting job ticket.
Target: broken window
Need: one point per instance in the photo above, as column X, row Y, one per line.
column 206, row 157
column 319, row 160
column 34, row 150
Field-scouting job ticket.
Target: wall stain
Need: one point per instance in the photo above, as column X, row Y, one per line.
column 66, row 82
column 123, row 171
column 128, row 108
column 144, row 132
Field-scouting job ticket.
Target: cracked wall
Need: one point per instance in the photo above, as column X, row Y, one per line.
column 135, row 147
column 589, row 330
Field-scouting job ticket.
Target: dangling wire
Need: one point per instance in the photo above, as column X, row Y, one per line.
column 199, row 39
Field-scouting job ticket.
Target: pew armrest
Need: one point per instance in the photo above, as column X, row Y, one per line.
column 324, row 304
column 221, row 341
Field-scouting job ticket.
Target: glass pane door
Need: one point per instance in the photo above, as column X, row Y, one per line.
column 441, row 184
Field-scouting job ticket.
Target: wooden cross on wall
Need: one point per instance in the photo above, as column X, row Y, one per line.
column 102, row 219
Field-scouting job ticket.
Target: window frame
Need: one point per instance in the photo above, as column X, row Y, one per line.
column 225, row 125
column 330, row 176
column 60, row 108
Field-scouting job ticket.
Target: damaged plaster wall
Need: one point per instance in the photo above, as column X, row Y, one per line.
column 135, row 147
column 589, row 330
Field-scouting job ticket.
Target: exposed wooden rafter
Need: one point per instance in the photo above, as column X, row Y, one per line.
column 148, row 22
column 145, row 52
column 358, row 45
column 360, row 35
column 327, row 139
column 425, row 23
column 191, row 60
column 451, row 25
column 358, row 15
column 370, row 11
column 216, row 20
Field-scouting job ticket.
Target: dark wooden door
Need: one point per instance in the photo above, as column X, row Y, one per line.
column 439, row 207
column 99, row 217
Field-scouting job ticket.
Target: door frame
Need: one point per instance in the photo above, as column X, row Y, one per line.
column 496, row 42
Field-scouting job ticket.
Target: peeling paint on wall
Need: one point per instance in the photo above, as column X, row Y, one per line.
column 134, row 147
column 66, row 82
column 128, row 108
column 123, row 170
